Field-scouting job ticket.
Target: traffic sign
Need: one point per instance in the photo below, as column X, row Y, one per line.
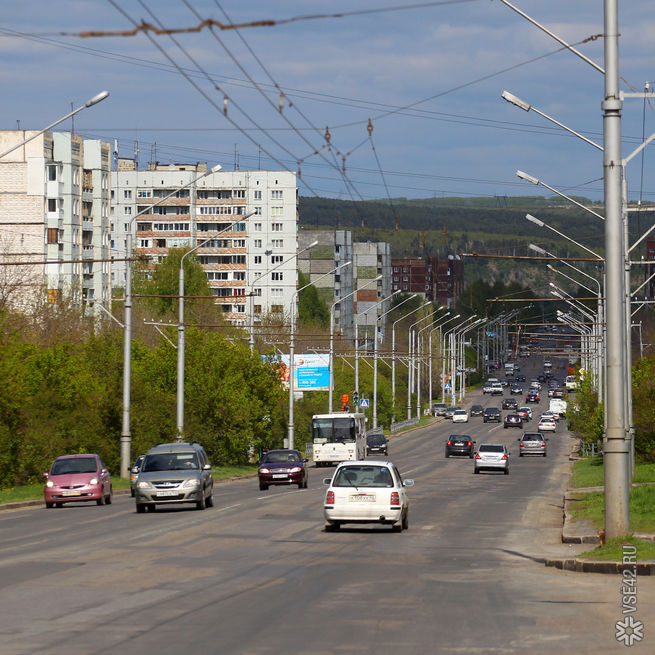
column 363, row 403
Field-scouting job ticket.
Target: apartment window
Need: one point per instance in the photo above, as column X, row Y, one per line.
column 239, row 193
column 277, row 259
column 52, row 204
column 278, row 277
column 258, row 292
column 258, row 259
column 127, row 193
column 52, row 173
column 258, row 195
column 239, row 243
column 258, row 211
column 276, row 292
column 258, row 243
column 278, row 243
column 258, row 227
column 276, row 227
column 258, row 309
column 239, row 275
column 405, row 278
column 240, row 309
column 276, row 194
column 276, row 309
column 53, row 234
column 144, row 243
column 277, row 211
column 127, row 210
column 144, row 193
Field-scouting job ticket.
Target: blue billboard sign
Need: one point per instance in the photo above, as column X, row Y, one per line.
column 311, row 372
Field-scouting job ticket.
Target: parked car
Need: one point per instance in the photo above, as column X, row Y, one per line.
column 491, row 414
column 513, row 421
column 476, row 410
column 491, row 457
column 376, row 444
column 175, row 473
column 532, row 443
column 460, row 416
column 366, row 492
column 459, row 444
column 283, row 466
column 510, row 403
column 547, row 425
column 532, row 397
column 439, row 409
column 77, row 478
column 134, row 473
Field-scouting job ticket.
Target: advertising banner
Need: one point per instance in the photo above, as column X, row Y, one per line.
column 312, row 371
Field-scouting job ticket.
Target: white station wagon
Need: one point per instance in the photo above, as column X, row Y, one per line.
column 367, row 492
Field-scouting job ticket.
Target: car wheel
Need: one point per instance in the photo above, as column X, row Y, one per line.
column 132, row 493
column 406, row 521
column 397, row 527
column 545, row 454
column 301, row 485
column 330, row 527
column 140, row 508
column 471, row 456
column 447, row 455
column 152, row 507
column 201, row 503
column 306, row 482
column 263, row 487
column 209, row 501
column 108, row 498
column 520, row 454
column 59, row 505
column 476, row 470
column 100, row 501
column 506, row 471
column 49, row 505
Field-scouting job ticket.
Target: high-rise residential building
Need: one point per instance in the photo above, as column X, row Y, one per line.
column 239, row 261
column 54, row 211
column 440, row 280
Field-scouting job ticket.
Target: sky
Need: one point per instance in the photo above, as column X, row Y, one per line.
column 428, row 75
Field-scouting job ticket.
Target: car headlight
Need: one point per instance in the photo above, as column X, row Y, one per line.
column 191, row 483
column 295, row 469
column 143, row 484
column 93, row 481
column 49, row 484
column 264, row 470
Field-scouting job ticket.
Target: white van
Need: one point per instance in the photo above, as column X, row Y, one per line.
column 571, row 383
column 558, row 406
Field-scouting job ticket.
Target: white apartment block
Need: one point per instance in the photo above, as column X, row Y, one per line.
column 239, row 261
column 54, row 208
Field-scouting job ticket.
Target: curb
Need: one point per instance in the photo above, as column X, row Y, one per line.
column 595, row 566
column 35, row 502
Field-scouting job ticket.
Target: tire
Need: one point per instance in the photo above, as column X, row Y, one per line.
column 263, row 487
column 520, row 454
column 406, row 521
column 59, row 505
column 506, row 471
column 140, row 508
column 301, row 485
column 100, row 501
column 132, row 493
column 209, row 501
column 201, row 503
column 545, row 454
column 476, row 471
column 397, row 527
column 306, row 483
column 447, row 455
column 152, row 507
column 471, row 456
column 49, row 505
column 108, row 498
column 330, row 527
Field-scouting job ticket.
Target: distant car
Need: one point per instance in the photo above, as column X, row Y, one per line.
column 439, row 409
column 476, row 410
column 532, row 443
column 532, row 397
column 366, row 492
column 549, row 415
column 491, row 414
column 376, row 444
column 77, row 478
column 491, row 456
column 460, row 416
column 510, row 403
column 283, row 466
column 526, row 412
column 559, row 393
column 520, row 378
column 541, row 378
column 516, row 389
column 513, row 421
column 459, row 444
column 450, row 411
column 547, row 425
column 134, row 473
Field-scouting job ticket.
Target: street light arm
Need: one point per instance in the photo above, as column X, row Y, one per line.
column 540, row 223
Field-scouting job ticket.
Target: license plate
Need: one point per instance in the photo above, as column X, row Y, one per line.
column 70, row 493
column 362, row 498
column 167, row 493
column 280, row 475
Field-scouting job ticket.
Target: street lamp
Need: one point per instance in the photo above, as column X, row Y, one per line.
column 126, row 435
column 251, row 339
column 89, row 103
column 291, row 427
column 462, row 356
column 334, row 304
column 436, row 327
column 181, row 328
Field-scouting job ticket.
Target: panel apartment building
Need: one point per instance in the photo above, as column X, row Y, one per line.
column 239, row 260
column 54, row 208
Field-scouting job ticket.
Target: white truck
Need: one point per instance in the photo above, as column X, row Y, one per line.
column 558, row 407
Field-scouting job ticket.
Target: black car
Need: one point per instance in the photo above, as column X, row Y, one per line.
column 284, row 466
column 476, row 410
column 513, row 421
column 520, row 378
column 510, row 403
column 459, row 444
column 491, row 414
column 376, row 444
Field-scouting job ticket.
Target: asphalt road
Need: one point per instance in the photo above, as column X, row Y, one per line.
column 258, row 575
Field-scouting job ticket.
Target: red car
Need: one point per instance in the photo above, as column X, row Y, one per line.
column 282, row 466
column 532, row 397
column 77, row 478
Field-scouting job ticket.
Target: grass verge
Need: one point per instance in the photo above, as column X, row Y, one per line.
column 35, row 491
column 612, row 551
column 591, row 506
column 589, row 472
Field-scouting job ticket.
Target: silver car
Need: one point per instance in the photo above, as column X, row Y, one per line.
column 491, row 457
column 532, row 443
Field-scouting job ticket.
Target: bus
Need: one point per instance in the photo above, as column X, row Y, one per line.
column 338, row 437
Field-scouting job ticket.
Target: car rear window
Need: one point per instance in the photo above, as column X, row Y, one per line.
column 532, row 437
column 376, row 440
column 492, row 449
column 363, row 476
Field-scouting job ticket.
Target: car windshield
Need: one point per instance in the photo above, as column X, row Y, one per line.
column 363, row 476
column 183, row 461
column 74, row 465
column 375, row 440
column 492, row 448
column 277, row 458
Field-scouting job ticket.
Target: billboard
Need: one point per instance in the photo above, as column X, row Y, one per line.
column 311, row 372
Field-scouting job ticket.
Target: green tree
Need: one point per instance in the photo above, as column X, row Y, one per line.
column 311, row 309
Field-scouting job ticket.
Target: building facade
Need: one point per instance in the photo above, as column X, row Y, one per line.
column 239, row 261
column 54, row 208
column 439, row 280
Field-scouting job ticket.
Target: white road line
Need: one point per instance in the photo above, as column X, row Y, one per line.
column 222, row 509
